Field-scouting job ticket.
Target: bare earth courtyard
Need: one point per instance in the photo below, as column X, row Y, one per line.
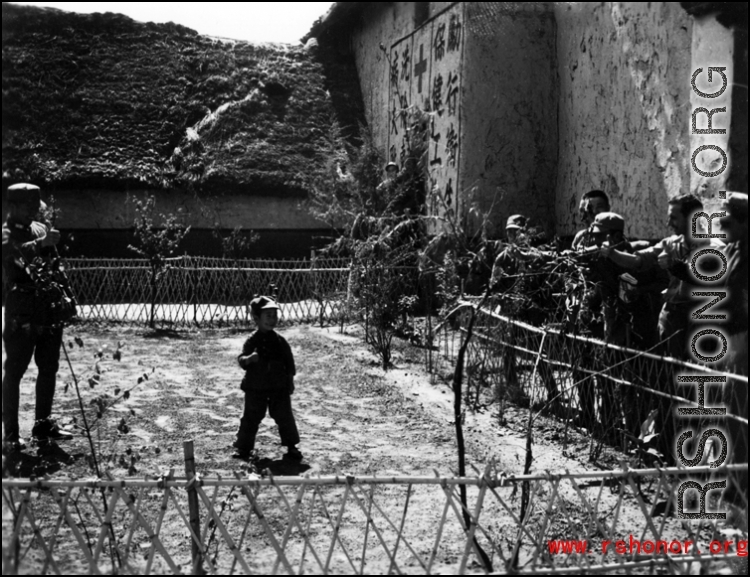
column 354, row 420
column 353, row 417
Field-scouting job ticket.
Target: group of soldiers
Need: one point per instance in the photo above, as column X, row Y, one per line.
column 631, row 293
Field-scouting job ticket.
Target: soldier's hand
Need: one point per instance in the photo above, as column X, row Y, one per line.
column 52, row 237
column 605, row 251
column 664, row 260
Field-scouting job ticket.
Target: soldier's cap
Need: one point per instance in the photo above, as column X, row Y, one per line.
column 608, row 222
column 24, row 192
column 391, row 165
column 736, row 203
column 516, row 221
column 259, row 304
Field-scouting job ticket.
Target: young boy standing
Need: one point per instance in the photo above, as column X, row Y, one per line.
column 268, row 383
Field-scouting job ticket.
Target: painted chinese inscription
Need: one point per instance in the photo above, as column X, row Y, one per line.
column 425, row 75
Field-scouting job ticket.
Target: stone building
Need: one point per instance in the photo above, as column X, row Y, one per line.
column 532, row 104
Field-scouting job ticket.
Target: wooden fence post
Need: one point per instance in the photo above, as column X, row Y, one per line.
column 195, row 521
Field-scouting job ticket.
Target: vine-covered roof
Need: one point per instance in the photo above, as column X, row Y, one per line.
column 103, row 101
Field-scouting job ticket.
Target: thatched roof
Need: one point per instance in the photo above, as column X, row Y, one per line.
column 103, row 101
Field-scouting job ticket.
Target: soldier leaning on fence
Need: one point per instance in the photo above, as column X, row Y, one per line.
column 629, row 305
column 675, row 325
column 603, row 298
column 592, row 203
column 526, row 295
column 734, row 225
column 268, row 383
column 672, row 254
column 28, row 331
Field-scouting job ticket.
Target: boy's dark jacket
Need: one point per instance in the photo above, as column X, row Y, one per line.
column 275, row 367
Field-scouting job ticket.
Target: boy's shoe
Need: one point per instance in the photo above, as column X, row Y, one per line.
column 48, row 430
column 293, row 454
column 13, row 444
column 243, row 454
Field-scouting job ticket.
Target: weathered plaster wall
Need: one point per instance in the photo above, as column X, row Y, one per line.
column 92, row 209
column 738, row 149
column 381, row 23
column 436, row 7
column 713, row 46
column 509, row 112
column 624, row 112
column 508, row 138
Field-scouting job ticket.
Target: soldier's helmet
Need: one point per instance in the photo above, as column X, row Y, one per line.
column 608, row 222
column 517, row 221
column 24, row 192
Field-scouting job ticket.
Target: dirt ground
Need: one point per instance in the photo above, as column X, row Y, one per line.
column 354, row 418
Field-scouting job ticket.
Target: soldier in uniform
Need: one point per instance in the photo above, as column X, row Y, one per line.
column 734, row 225
column 27, row 330
column 515, row 275
column 593, row 202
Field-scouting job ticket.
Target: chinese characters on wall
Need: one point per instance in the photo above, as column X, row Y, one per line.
column 425, row 74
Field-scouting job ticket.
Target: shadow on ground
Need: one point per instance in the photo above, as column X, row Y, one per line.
column 281, row 467
column 36, row 462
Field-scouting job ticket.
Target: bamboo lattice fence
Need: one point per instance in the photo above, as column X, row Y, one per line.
column 608, row 388
column 359, row 525
column 369, row 525
column 202, row 291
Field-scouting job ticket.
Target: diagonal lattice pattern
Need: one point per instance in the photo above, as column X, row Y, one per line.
column 354, row 525
column 608, row 389
column 198, row 291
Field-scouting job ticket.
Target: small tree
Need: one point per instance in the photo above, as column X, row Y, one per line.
column 235, row 245
column 158, row 235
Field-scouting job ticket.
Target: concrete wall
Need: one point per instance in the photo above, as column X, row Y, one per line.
column 92, row 209
column 509, row 112
column 271, row 244
column 99, row 224
column 624, row 112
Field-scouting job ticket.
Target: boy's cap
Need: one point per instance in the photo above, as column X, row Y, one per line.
column 516, row 221
column 608, row 222
column 24, row 192
column 259, row 304
column 391, row 165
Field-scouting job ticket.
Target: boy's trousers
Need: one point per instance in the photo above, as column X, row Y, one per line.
column 279, row 405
